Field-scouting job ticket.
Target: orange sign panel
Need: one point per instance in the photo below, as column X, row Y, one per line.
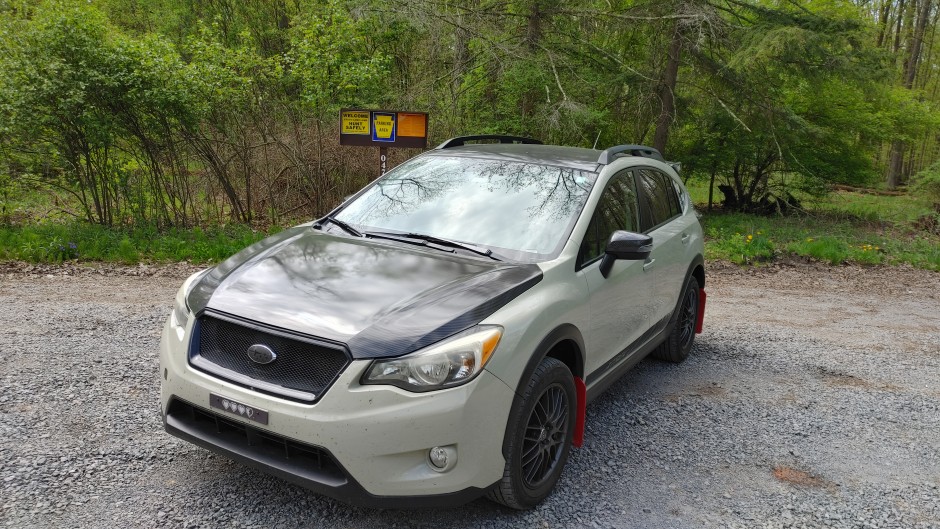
column 412, row 125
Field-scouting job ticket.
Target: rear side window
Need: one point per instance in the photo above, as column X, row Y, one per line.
column 616, row 210
column 659, row 198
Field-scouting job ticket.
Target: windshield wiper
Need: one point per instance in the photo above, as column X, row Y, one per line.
column 346, row 227
column 479, row 250
column 414, row 237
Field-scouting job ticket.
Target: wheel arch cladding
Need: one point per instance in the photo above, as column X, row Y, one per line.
column 697, row 269
column 699, row 273
column 566, row 344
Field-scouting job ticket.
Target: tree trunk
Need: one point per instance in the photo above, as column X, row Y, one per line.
column 897, row 28
column 910, row 71
column 925, row 77
column 885, row 14
column 896, row 160
column 533, row 31
column 894, row 165
column 711, row 184
column 666, row 90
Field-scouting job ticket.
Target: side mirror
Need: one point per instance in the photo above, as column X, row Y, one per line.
column 625, row 245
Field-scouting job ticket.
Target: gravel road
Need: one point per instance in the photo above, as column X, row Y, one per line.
column 811, row 400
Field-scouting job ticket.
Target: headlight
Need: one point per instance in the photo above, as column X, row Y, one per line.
column 179, row 318
column 446, row 364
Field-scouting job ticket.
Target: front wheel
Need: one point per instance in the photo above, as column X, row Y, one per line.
column 538, row 438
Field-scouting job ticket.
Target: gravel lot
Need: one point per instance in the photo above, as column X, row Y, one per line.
column 812, row 400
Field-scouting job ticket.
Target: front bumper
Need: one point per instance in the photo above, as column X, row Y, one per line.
column 374, row 439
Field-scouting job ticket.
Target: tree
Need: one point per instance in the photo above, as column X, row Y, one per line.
column 788, row 101
column 909, row 74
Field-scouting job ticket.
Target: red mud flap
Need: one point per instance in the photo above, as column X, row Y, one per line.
column 581, row 390
column 701, row 311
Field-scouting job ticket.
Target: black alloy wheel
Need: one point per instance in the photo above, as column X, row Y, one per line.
column 688, row 314
column 545, row 436
column 538, row 436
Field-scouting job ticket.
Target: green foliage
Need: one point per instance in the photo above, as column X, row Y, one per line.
column 829, row 240
column 154, row 115
column 843, row 227
column 927, row 183
column 737, row 239
column 80, row 98
column 827, row 249
column 790, row 108
column 330, row 60
column 875, row 209
column 76, row 241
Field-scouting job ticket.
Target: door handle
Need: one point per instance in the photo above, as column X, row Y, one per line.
column 648, row 264
column 685, row 238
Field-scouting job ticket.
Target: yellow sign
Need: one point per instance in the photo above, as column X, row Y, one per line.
column 355, row 122
column 384, row 127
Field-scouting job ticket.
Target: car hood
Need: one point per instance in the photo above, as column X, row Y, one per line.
column 379, row 299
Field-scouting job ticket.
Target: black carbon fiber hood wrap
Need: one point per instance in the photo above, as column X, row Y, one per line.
column 380, row 299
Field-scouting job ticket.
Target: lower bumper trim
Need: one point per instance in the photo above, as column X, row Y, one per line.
column 306, row 465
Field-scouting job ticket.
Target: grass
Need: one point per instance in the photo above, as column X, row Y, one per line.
column 52, row 242
column 845, row 227
column 898, row 210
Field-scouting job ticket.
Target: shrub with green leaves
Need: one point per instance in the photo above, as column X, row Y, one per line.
column 927, row 183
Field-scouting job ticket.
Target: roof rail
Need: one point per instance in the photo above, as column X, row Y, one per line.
column 607, row 155
column 501, row 138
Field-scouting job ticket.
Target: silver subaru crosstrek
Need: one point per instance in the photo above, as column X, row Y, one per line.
column 437, row 336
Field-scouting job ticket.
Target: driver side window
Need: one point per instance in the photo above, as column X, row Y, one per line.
column 616, row 210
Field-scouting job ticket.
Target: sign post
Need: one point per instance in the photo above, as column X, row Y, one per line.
column 383, row 129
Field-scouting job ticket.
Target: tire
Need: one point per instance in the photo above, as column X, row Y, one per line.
column 546, row 410
column 678, row 344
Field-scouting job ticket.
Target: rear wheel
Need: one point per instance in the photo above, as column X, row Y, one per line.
column 678, row 344
column 538, row 437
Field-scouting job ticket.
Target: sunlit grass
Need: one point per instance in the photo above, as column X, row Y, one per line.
column 845, row 227
column 53, row 242
column 873, row 208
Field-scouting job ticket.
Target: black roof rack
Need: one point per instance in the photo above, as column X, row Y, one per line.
column 501, row 138
column 607, row 155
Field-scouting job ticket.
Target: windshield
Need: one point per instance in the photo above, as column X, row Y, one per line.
column 521, row 210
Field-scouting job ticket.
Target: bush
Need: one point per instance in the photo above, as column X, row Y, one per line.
column 927, row 183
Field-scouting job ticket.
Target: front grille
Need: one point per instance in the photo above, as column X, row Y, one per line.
column 259, row 445
column 303, row 370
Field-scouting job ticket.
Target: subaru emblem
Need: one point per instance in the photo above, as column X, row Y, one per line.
column 261, row 354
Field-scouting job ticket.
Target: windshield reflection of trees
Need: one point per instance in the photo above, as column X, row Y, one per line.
column 556, row 192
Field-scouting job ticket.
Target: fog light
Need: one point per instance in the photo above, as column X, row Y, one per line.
column 438, row 457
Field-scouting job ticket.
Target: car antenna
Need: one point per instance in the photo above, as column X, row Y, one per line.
column 597, row 140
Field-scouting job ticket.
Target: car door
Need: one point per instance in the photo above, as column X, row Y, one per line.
column 660, row 213
column 619, row 303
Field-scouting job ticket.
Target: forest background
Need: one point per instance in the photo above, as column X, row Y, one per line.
column 139, row 118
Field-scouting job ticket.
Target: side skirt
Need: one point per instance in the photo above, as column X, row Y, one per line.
column 601, row 379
